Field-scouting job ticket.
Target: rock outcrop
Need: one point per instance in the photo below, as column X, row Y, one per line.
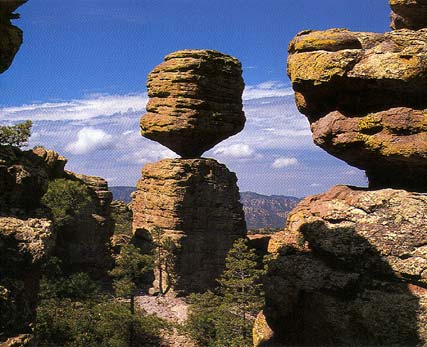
column 196, row 203
column 195, row 101
column 348, row 261
column 24, row 244
column 364, row 95
column 10, row 35
column 408, row 14
column 28, row 235
column 350, row 268
column 192, row 204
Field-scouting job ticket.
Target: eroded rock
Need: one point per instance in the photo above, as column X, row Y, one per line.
column 408, row 14
column 351, row 269
column 364, row 95
column 196, row 203
column 10, row 35
column 195, row 101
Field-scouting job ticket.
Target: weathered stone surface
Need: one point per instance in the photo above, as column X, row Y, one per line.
column 390, row 145
column 364, row 95
column 10, row 35
column 351, row 269
column 196, row 203
column 24, row 244
column 85, row 245
column 24, row 175
column 408, row 14
column 195, row 101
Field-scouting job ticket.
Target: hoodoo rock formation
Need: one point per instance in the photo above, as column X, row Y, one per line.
column 196, row 101
column 364, row 95
column 350, row 268
column 196, row 203
column 10, row 35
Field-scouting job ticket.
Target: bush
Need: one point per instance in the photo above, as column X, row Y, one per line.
column 16, row 135
column 68, row 200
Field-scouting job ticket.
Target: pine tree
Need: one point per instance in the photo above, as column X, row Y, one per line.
column 241, row 285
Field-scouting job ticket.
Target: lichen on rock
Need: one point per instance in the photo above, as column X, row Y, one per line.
column 195, row 101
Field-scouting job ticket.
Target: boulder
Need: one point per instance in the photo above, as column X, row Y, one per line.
column 364, row 95
column 195, row 101
column 351, row 269
column 408, row 14
column 10, row 35
column 196, row 203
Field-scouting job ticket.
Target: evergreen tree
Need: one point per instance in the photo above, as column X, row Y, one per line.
column 225, row 319
column 164, row 258
column 16, row 135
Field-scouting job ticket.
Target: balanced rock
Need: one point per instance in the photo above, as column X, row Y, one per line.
column 10, row 35
column 196, row 203
column 409, row 14
column 351, row 269
column 364, row 95
column 195, row 101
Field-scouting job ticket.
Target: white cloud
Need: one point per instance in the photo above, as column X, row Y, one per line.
column 238, row 150
column 150, row 152
column 282, row 162
column 90, row 140
column 267, row 89
column 79, row 109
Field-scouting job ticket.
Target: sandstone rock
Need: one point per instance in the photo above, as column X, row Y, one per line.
column 262, row 332
column 195, row 101
column 10, row 35
column 85, row 245
column 196, row 203
column 350, row 269
column 408, row 14
column 24, row 176
column 364, row 95
column 24, row 244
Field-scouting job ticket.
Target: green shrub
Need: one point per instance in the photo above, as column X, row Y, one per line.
column 15, row 135
column 68, row 200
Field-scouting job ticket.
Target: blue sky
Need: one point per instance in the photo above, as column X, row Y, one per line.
column 81, row 72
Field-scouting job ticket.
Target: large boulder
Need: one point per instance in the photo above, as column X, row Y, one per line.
column 196, row 203
column 409, row 14
column 351, row 269
column 364, row 95
column 195, row 101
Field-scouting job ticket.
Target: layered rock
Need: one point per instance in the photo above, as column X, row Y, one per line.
column 408, row 14
column 196, row 203
column 195, row 101
column 10, row 35
column 364, row 95
column 351, row 269
column 24, row 244
column 85, row 244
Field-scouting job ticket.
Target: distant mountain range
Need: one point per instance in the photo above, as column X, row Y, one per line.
column 261, row 211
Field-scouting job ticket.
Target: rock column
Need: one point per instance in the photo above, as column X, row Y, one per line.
column 195, row 102
column 350, row 268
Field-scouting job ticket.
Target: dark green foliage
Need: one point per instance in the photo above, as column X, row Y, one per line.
column 226, row 319
column 72, row 312
column 16, row 135
column 130, row 270
column 68, row 200
column 92, row 323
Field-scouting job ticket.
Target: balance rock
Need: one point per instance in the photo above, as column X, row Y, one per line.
column 195, row 101
column 196, row 204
